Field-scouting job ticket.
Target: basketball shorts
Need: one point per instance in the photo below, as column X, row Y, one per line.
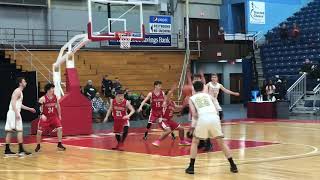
column 208, row 126
column 11, row 123
column 50, row 123
column 119, row 124
column 169, row 124
column 155, row 117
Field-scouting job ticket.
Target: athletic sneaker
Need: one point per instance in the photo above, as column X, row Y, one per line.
column 61, row 147
column 234, row 169
column 24, row 153
column 156, row 143
column 184, row 143
column 9, row 153
column 190, row 170
column 118, row 147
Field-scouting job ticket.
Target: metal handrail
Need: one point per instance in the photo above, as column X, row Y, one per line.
column 38, row 60
column 29, row 60
column 38, row 71
column 38, row 36
column 297, row 82
column 258, row 36
column 51, row 37
column 183, row 74
column 297, row 90
column 316, row 89
column 316, row 92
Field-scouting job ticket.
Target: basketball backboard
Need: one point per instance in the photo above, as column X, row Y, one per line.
column 106, row 18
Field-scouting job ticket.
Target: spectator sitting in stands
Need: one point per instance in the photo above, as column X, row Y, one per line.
column 107, row 88
column 116, row 85
column 307, row 67
column 280, row 89
column 295, row 34
column 284, row 33
column 89, row 90
column 270, row 90
column 99, row 108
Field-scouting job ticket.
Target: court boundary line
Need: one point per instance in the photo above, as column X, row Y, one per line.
column 314, row 152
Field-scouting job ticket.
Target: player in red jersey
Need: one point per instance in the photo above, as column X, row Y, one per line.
column 50, row 116
column 188, row 87
column 157, row 97
column 118, row 108
column 168, row 124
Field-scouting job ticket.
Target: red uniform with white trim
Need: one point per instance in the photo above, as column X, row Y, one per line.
column 51, row 112
column 156, row 107
column 119, row 110
column 168, row 117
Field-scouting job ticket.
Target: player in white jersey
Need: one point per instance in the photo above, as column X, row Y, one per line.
column 205, row 124
column 214, row 87
column 14, row 120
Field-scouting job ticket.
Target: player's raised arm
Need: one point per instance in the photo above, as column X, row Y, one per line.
column 109, row 111
column 189, row 79
column 144, row 101
column 130, row 107
column 225, row 90
column 203, row 79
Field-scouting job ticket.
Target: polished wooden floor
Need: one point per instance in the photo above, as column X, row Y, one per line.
column 294, row 154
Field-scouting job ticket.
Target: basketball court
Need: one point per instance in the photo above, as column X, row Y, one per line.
column 264, row 149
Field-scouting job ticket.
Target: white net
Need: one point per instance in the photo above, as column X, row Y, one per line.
column 125, row 39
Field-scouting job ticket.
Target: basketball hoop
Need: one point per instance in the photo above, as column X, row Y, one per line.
column 124, row 39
